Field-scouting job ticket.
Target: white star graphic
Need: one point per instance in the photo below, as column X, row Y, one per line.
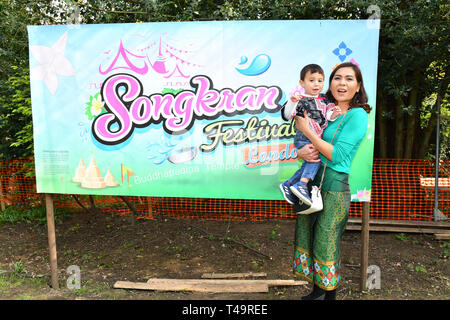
column 52, row 63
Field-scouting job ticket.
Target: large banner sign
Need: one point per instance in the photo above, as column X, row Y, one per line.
column 183, row 109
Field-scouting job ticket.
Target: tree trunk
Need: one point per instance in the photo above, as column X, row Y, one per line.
column 399, row 129
column 382, row 130
column 411, row 118
column 426, row 136
column 430, row 129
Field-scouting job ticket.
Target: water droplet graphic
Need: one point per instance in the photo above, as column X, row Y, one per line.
column 259, row 65
column 160, row 161
column 161, row 148
column 244, row 59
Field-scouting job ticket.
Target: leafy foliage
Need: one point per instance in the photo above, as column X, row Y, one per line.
column 413, row 57
column 36, row 215
column 16, row 119
column 94, row 107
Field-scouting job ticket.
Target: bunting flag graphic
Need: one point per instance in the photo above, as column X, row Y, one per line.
column 124, row 170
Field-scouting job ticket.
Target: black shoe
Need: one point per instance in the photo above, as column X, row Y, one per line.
column 330, row 295
column 288, row 195
column 316, row 294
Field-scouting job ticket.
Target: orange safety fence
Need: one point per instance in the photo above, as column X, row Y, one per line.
column 401, row 189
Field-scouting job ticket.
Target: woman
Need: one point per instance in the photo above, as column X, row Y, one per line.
column 318, row 236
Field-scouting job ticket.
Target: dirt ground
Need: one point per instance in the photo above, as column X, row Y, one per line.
column 109, row 248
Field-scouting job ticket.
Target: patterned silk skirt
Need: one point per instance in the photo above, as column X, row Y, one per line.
column 318, row 239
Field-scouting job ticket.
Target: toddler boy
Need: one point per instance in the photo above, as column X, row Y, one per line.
column 319, row 111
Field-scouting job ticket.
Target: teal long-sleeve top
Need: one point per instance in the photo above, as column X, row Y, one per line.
column 347, row 140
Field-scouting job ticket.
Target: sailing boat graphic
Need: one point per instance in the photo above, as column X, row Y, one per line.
column 167, row 51
column 160, row 64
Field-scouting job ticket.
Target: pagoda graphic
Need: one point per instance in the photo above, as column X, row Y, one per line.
column 125, row 59
column 122, row 60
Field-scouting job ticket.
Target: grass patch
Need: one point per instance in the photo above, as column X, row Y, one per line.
column 35, row 215
column 92, row 290
column 17, row 287
column 13, row 286
column 401, row 237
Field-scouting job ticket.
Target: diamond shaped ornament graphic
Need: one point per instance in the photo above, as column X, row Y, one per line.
column 342, row 51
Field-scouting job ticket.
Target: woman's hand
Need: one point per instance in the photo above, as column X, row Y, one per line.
column 336, row 113
column 302, row 124
column 309, row 153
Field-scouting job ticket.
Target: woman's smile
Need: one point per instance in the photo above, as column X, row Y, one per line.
column 344, row 85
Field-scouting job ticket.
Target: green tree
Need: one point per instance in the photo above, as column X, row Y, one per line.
column 413, row 60
column 16, row 139
column 413, row 55
column 15, row 114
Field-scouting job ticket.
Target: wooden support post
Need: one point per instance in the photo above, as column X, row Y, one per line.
column 1, row 195
column 52, row 240
column 364, row 245
column 150, row 207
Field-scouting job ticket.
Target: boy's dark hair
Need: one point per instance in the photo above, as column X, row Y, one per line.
column 313, row 68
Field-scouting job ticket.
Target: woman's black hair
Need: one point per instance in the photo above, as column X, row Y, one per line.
column 360, row 98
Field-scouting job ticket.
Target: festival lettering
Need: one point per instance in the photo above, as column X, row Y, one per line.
column 127, row 108
column 254, row 131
